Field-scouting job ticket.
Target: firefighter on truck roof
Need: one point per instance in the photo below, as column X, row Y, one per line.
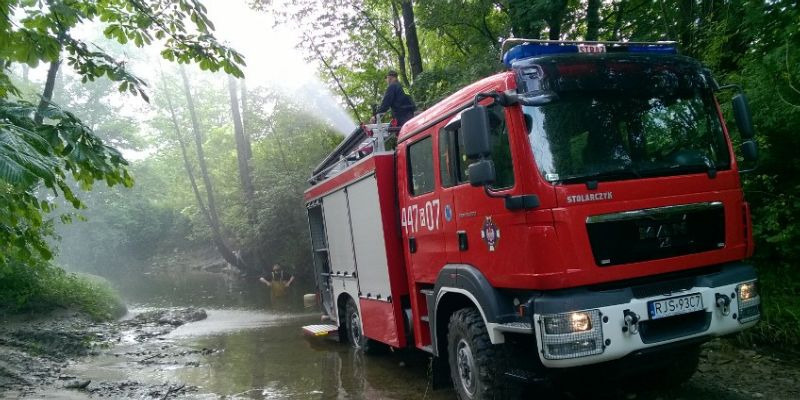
column 397, row 100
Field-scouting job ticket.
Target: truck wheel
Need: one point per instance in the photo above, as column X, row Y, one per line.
column 355, row 332
column 681, row 366
column 475, row 364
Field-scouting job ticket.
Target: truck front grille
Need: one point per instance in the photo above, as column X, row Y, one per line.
column 654, row 233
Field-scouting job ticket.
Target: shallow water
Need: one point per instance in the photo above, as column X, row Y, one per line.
column 257, row 349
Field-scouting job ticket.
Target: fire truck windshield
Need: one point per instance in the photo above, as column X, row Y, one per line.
column 608, row 124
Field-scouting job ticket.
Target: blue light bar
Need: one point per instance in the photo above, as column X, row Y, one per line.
column 528, row 50
column 658, row 49
column 523, row 51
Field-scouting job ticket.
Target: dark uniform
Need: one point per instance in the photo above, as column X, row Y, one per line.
column 401, row 104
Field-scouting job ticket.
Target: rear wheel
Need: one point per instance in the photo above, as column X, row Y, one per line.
column 355, row 332
column 476, row 364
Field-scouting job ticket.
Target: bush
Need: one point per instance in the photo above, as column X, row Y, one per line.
column 44, row 287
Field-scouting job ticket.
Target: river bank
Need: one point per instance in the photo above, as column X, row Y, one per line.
column 36, row 352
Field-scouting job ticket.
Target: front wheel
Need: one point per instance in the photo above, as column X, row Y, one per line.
column 680, row 366
column 476, row 364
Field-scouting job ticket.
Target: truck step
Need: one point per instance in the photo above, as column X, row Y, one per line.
column 424, row 318
column 427, row 348
column 320, row 330
column 426, row 292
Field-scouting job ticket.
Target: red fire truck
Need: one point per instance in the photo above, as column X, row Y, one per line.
column 582, row 208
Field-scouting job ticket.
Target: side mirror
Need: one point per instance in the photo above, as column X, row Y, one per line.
column 750, row 150
column 475, row 128
column 481, row 173
column 741, row 111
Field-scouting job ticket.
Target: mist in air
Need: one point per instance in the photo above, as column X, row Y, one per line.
column 273, row 60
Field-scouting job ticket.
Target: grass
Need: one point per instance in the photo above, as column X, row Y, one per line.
column 779, row 286
column 45, row 287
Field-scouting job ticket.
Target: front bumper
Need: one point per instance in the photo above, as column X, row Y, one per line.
column 617, row 337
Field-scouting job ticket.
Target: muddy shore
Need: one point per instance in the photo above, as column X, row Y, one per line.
column 34, row 352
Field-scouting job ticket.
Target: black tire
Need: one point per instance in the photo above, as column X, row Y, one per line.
column 680, row 367
column 355, row 333
column 476, row 365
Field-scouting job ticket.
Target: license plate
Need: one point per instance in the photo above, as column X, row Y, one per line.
column 675, row 306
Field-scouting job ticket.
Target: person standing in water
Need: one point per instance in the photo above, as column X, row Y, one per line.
column 279, row 281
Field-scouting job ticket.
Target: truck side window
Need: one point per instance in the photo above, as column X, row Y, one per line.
column 420, row 166
column 453, row 164
column 447, row 162
column 501, row 148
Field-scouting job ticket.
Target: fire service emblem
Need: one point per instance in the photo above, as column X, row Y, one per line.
column 490, row 233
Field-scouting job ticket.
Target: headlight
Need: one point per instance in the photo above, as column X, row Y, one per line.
column 747, row 291
column 567, row 323
column 749, row 301
column 571, row 335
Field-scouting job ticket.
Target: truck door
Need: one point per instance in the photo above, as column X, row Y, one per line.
column 421, row 210
column 494, row 236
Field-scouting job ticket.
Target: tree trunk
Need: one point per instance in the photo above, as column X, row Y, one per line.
column 223, row 248
column 412, row 42
column 47, row 94
column 242, row 146
column 618, row 18
column 401, row 48
column 686, row 27
column 592, row 19
column 186, row 162
column 245, row 120
column 556, row 18
column 524, row 22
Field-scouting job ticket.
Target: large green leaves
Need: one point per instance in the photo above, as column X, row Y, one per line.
column 61, row 149
column 46, row 154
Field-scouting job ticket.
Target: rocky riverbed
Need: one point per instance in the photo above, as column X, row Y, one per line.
column 242, row 354
column 35, row 353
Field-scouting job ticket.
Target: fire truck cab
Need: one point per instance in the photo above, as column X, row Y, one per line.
column 584, row 207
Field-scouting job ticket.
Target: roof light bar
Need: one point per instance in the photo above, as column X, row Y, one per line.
column 526, row 48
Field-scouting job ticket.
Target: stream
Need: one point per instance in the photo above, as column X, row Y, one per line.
column 247, row 348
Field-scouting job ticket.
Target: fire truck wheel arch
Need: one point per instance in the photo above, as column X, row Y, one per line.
column 462, row 285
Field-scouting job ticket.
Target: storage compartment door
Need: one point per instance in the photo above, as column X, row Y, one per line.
column 340, row 239
column 370, row 247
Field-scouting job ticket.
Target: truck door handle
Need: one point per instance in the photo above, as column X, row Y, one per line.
column 463, row 245
column 412, row 245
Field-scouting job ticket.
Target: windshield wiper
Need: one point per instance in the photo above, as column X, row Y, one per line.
column 624, row 173
column 707, row 166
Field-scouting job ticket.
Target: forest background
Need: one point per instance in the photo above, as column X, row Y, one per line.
column 221, row 163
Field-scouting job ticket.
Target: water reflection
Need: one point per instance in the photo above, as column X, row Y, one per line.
column 259, row 350
column 202, row 289
column 276, row 362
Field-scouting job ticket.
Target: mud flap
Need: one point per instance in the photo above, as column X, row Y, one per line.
column 440, row 373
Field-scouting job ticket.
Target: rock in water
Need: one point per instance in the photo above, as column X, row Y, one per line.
column 78, row 384
column 175, row 317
